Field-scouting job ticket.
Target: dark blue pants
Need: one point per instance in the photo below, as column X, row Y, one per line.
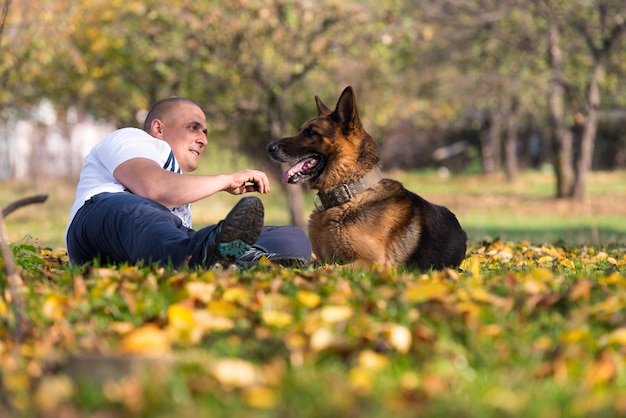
column 123, row 227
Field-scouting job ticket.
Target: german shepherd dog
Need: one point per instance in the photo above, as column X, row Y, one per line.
column 361, row 217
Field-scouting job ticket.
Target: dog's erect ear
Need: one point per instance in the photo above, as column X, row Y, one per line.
column 346, row 112
column 322, row 109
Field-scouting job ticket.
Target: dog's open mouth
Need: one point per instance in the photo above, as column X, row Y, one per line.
column 305, row 169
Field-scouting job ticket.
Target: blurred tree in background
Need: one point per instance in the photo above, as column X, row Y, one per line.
column 519, row 82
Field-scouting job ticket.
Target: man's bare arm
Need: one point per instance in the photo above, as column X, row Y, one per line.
column 146, row 178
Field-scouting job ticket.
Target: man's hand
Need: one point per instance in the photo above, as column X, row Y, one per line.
column 247, row 181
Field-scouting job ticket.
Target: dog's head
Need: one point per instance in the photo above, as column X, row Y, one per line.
column 328, row 149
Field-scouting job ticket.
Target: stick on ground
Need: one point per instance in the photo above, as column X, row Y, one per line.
column 21, row 325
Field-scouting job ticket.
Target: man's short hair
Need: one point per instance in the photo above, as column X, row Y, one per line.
column 162, row 108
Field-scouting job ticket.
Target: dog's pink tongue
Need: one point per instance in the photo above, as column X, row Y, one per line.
column 286, row 176
column 294, row 170
column 300, row 166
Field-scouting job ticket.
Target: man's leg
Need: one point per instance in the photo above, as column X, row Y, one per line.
column 122, row 227
column 286, row 245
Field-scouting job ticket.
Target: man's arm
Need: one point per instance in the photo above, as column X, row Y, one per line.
column 144, row 177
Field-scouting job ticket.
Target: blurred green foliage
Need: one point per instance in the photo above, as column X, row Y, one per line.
column 255, row 65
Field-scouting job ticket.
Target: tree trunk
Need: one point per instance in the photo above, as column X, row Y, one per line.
column 511, row 165
column 490, row 143
column 583, row 165
column 562, row 135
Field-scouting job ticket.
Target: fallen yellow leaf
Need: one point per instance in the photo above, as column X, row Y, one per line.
column 601, row 256
column 409, row 380
column 179, row 316
column 308, row 299
column 222, row 308
column 201, row 290
column 146, row 339
column 373, row 360
column 276, row 301
column 182, row 325
column 545, row 259
column 122, row 327
column 423, row 291
column 54, row 307
column 613, row 278
column 491, row 330
column 399, row 337
column 53, row 391
column 618, row 336
column 574, row 335
column 600, row 371
column 260, row 396
column 336, row 313
column 237, row 294
column 235, row 372
column 206, row 321
column 534, row 287
column 607, row 307
column 479, row 294
column 277, row 318
column 580, row 291
column 471, row 264
column 321, row 339
column 361, row 379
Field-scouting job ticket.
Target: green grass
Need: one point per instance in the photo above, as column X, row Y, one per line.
column 519, row 330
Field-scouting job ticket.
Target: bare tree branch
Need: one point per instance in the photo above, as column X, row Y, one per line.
column 21, row 323
column 23, row 202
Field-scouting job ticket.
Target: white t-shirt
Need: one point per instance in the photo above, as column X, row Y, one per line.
column 96, row 175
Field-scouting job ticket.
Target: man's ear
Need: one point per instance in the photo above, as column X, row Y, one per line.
column 156, row 128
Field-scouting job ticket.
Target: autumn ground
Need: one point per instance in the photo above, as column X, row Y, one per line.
column 526, row 327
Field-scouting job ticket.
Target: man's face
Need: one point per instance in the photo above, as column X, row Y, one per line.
column 185, row 131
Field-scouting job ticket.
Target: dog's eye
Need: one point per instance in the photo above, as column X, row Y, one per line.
column 308, row 133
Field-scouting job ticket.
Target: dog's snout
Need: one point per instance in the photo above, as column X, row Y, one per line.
column 273, row 149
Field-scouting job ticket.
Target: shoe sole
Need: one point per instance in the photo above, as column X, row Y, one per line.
column 241, row 228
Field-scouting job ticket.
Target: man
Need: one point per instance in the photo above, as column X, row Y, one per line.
column 134, row 195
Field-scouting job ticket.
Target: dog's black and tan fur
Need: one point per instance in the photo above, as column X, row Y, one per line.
column 379, row 220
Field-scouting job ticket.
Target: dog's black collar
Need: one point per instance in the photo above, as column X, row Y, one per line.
column 344, row 192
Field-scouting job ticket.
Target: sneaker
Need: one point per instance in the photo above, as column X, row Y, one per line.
column 234, row 235
column 252, row 257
